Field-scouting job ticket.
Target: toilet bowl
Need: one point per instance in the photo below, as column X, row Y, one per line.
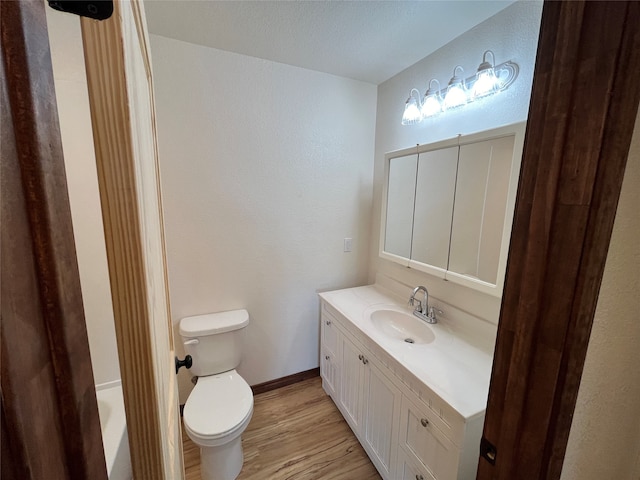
column 220, row 407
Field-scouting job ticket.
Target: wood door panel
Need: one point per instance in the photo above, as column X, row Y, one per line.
column 119, row 76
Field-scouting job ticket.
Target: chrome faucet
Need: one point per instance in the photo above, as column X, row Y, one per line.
column 423, row 311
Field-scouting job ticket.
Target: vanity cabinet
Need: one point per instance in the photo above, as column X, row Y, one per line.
column 407, row 431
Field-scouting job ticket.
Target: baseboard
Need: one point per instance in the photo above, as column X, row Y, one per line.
column 284, row 381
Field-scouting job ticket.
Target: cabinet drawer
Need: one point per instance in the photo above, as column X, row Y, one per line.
column 407, row 470
column 329, row 332
column 445, row 417
column 425, row 442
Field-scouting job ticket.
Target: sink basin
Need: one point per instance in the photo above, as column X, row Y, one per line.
column 402, row 326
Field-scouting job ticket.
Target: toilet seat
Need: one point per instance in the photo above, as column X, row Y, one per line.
column 218, row 409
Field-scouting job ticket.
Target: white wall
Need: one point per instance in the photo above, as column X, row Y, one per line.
column 512, row 34
column 80, row 164
column 265, row 169
column 604, row 441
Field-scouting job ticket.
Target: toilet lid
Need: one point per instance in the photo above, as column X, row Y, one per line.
column 218, row 405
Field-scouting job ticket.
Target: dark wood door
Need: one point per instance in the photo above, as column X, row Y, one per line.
column 50, row 423
column 583, row 108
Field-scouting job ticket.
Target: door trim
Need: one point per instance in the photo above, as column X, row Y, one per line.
column 582, row 115
column 50, row 423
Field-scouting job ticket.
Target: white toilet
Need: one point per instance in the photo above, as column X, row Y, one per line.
column 220, row 406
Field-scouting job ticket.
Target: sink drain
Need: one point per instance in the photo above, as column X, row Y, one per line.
column 409, row 340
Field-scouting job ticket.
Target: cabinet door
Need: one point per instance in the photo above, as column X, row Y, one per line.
column 351, row 383
column 330, row 372
column 426, row 443
column 329, row 333
column 381, row 418
column 482, row 189
column 435, row 185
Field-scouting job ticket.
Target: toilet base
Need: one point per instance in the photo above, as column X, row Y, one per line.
column 223, row 462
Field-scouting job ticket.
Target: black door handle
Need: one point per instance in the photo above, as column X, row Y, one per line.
column 187, row 362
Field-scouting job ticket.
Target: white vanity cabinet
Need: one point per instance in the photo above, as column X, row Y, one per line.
column 407, row 431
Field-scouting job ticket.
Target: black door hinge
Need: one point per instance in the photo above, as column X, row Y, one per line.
column 488, row 451
column 96, row 9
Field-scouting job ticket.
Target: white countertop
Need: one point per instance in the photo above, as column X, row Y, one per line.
column 451, row 366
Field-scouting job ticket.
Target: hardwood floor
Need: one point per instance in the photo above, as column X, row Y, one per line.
column 296, row 433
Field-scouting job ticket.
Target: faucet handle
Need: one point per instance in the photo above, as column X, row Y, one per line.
column 413, row 301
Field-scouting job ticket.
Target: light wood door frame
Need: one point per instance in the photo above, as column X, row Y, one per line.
column 50, row 423
column 118, row 64
column 583, row 109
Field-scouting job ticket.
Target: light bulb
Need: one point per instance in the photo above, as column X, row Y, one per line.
column 486, row 81
column 431, row 105
column 411, row 114
column 456, row 95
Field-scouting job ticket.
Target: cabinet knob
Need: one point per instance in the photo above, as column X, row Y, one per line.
column 360, row 357
column 424, row 422
column 328, row 322
column 326, row 357
column 364, row 360
column 419, row 477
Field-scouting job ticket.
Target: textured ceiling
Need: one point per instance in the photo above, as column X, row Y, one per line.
column 364, row 40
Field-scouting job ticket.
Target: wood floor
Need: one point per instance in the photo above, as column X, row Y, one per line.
column 296, row 433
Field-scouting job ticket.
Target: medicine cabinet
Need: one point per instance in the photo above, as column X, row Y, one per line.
column 448, row 206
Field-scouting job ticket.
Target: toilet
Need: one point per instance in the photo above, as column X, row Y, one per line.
column 220, row 406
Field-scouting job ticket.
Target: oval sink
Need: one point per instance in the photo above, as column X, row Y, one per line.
column 402, row 326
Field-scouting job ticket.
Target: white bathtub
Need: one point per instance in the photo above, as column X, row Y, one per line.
column 114, row 431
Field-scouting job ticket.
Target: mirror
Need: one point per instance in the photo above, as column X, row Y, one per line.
column 402, row 173
column 449, row 206
column 484, row 169
column 435, row 188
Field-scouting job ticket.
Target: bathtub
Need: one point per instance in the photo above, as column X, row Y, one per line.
column 114, row 431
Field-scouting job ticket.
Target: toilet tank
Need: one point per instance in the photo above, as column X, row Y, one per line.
column 214, row 340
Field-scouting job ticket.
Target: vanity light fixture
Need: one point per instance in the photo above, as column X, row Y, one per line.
column 456, row 95
column 412, row 114
column 488, row 80
column 432, row 103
